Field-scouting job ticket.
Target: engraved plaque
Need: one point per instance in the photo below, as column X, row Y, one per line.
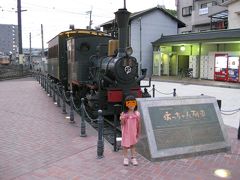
column 181, row 126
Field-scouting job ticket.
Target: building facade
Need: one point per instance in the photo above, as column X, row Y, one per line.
column 233, row 13
column 144, row 28
column 202, row 15
column 9, row 39
column 213, row 55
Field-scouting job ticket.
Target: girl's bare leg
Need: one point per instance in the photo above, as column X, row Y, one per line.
column 125, row 155
column 133, row 154
column 125, row 152
column 133, row 151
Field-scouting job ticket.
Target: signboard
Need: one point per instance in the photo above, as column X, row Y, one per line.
column 21, row 58
column 176, row 127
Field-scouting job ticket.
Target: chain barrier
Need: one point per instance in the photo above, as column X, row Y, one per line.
column 88, row 116
column 163, row 92
column 230, row 112
column 58, row 90
column 65, row 97
column 74, row 105
column 150, row 90
column 54, row 92
column 153, row 90
column 78, row 109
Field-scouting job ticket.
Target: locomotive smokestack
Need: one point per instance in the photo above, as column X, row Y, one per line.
column 122, row 17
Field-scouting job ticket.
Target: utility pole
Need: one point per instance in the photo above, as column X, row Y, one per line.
column 30, row 50
column 43, row 57
column 90, row 20
column 42, row 40
column 19, row 26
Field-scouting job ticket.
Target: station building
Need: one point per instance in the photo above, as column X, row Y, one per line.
column 212, row 55
column 210, row 43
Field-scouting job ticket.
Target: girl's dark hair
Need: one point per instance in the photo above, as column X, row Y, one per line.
column 128, row 98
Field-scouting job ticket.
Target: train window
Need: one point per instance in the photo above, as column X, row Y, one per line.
column 53, row 52
column 84, row 47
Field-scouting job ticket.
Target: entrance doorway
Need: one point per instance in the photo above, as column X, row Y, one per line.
column 156, row 63
column 183, row 63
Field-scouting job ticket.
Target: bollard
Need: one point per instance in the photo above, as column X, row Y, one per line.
column 63, row 102
column 174, row 92
column 100, row 143
column 153, row 90
column 50, row 88
column 71, row 108
column 45, row 77
column 117, row 109
column 58, row 96
column 54, row 93
column 83, row 124
column 219, row 102
column 44, row 82
column 38, row 77
column 41, row 79
column 239, row 130
column 47, row 84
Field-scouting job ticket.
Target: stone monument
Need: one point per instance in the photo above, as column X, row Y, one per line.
column 178, row 127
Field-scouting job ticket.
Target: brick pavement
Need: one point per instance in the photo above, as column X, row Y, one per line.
column 38, row 142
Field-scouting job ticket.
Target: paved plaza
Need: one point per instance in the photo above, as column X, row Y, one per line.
column 37, row 141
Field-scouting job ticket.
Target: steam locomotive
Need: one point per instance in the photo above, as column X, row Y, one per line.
column 95, row 66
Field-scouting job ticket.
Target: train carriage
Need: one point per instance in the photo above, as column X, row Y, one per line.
column 57, row 51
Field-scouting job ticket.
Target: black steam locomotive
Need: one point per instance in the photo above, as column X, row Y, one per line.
column 95, row 66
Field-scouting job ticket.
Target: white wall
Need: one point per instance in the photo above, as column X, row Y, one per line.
column 153, row 26
column 233, row 16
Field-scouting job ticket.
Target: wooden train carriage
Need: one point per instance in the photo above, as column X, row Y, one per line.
column 57, row 52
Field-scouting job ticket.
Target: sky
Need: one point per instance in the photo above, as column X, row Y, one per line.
column 57, row 15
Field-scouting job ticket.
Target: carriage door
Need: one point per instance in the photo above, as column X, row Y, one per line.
column 71, row 60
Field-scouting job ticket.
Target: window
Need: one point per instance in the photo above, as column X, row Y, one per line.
column 214, row 3
column 187, row 11
column 209, row 4
column 53, row 52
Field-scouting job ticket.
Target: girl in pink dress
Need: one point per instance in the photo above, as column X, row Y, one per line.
column 130, row 124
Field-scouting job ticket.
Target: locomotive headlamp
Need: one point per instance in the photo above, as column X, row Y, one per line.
column 129, row 51
column 131, row 103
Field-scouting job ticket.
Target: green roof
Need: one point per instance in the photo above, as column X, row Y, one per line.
column 206, row 36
